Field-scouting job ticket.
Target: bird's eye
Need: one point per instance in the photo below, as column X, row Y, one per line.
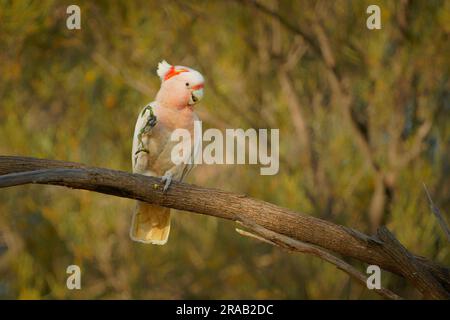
column 187, row 84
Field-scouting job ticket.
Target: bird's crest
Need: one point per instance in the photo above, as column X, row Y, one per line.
column 166, row 71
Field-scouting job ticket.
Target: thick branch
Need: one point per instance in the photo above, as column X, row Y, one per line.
column 237, row 207
column 415, row 273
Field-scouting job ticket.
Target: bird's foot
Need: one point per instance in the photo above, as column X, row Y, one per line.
column 136, row 154
column 141, row 150
column 166, row 179
column 151, row 119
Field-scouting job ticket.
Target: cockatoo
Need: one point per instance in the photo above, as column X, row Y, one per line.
column 181, row 88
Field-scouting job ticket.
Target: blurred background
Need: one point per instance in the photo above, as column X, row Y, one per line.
column 363, row 116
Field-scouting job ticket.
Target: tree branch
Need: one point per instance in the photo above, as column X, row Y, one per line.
column 437, row 214
column 279, row 240
column 236, row 207
column 285, row 22
column 415, row 273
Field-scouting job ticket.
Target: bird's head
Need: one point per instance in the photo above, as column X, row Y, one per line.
column 181, row 86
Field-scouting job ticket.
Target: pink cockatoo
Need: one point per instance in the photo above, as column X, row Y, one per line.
column 181, row 89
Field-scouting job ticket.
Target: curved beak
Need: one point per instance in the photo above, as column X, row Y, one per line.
column 196, row 96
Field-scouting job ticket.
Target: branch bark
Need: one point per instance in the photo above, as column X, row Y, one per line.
column 281, row 241
column 236, row 207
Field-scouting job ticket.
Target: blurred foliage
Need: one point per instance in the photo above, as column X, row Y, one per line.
column 75, row 95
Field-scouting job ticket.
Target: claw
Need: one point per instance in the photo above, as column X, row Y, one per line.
column 139, row 151
column 166, row 179
column 151, row 121
column 149, row 124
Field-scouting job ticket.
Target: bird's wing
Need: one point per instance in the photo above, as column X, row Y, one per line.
column 141, row 152
column 152, row 147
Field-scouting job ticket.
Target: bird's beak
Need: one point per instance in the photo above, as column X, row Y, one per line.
column 196, row 96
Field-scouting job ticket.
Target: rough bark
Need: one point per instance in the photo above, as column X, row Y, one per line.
column 380, row 250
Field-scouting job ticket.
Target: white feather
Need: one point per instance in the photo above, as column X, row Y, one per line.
column 163, row 68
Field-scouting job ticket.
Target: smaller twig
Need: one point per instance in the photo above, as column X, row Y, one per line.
column 254, row 236
column 283, row 21
column 437, row 214
column 276, row 239
column 128, row 79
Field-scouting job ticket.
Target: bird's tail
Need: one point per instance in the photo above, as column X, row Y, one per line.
column 150, row 224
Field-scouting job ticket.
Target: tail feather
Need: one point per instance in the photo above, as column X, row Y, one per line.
column 150, row 224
